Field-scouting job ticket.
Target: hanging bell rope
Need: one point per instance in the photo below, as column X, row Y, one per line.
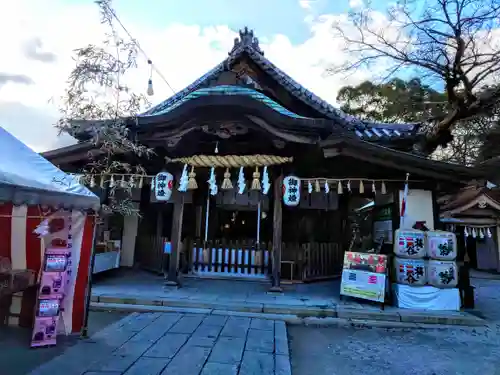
column 232, row 161
column 226, row 183
column 256, row 180
column 317, row 187
column 192, row 180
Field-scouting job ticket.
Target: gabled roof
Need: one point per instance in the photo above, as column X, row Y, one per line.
column 472, row 196
column 377, row 154
column 248, row 45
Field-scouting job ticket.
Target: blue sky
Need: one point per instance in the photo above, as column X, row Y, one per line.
column 184, row 38
column 266, row 17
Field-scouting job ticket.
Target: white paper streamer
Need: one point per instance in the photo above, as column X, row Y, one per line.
column 265, row 181
column 212, row 182
column 241, row 181
column 183, row 181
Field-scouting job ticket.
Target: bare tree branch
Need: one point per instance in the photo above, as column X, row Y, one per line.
column 456, row 41
column 97, row 102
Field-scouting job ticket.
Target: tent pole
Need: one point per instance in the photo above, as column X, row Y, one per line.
column 84, row 333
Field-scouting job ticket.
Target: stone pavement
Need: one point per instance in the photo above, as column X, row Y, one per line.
column 140, row 291
column 179, row 344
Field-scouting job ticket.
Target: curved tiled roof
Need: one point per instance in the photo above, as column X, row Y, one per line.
column 229, row 90
column 365, row 130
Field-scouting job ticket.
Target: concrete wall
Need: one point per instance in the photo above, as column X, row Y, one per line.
column 418, row 207
column 130, row 226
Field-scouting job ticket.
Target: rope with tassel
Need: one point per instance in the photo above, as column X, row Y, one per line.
column 232, row 161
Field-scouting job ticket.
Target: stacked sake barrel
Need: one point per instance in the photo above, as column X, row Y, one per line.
column 409, row 263
column 425, row 258
column 442, row 268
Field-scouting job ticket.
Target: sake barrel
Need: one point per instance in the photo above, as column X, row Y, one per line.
column 410, row 271
column 409, row 243
column 442, row 273
column 441, row 245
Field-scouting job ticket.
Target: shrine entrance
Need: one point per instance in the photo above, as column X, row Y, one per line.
column 238, row 236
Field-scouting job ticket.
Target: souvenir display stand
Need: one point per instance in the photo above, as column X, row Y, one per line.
column 34, row 196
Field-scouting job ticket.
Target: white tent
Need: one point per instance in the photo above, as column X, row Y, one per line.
column 28, row 178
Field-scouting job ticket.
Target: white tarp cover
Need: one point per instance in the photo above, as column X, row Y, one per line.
column 28, row 178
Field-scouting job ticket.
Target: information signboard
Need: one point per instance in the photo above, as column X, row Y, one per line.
column 364, row 276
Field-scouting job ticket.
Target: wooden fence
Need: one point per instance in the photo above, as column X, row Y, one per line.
column 307, row 261
column 238, row 258
column 312, row 261
column 149, row 253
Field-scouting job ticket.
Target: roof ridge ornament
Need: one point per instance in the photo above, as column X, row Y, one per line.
column 246, row 39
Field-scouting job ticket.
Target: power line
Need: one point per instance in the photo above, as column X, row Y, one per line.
column 115, row 16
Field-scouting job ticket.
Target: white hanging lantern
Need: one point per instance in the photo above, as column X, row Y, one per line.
column 309, row 187
column 327, row 187
column 488, row 232
column 112, row 181
column 291, row 191
column 164, row 182
column 374, row 188
column 474, row 233
column 92, row 181
column 349, row 186
column 466, row 232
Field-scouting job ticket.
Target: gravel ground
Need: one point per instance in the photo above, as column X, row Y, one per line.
column 346, row 351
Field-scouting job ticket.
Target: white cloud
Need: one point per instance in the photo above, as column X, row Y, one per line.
column 43, row 35
column 306, row 4
column 356, row 3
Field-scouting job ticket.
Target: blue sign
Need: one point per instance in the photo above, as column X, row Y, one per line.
column 167, row 247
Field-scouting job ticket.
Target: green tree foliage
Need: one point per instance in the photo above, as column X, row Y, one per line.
column 400, row 101
column 395, row 101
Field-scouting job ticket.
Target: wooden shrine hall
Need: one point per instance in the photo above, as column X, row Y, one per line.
column 286, row 173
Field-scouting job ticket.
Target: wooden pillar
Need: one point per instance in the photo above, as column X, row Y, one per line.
column 277, row 228
column 199, row 221
column 435, row 212
column 173, row 267
column 159, row 222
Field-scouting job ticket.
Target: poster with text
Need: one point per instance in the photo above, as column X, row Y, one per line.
column 362, row 284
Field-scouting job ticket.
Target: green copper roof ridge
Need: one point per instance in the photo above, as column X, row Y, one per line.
column 229, row 90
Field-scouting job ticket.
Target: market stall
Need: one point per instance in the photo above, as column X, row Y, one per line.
column 32, row 190
column 108, row 243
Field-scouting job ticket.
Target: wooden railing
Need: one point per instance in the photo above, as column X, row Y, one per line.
column 238, row 258
column 322, row 260
column 313, row 260
column 310, row 261
column 149, row 253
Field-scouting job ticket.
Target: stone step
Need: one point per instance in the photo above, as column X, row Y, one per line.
column 291, row 313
